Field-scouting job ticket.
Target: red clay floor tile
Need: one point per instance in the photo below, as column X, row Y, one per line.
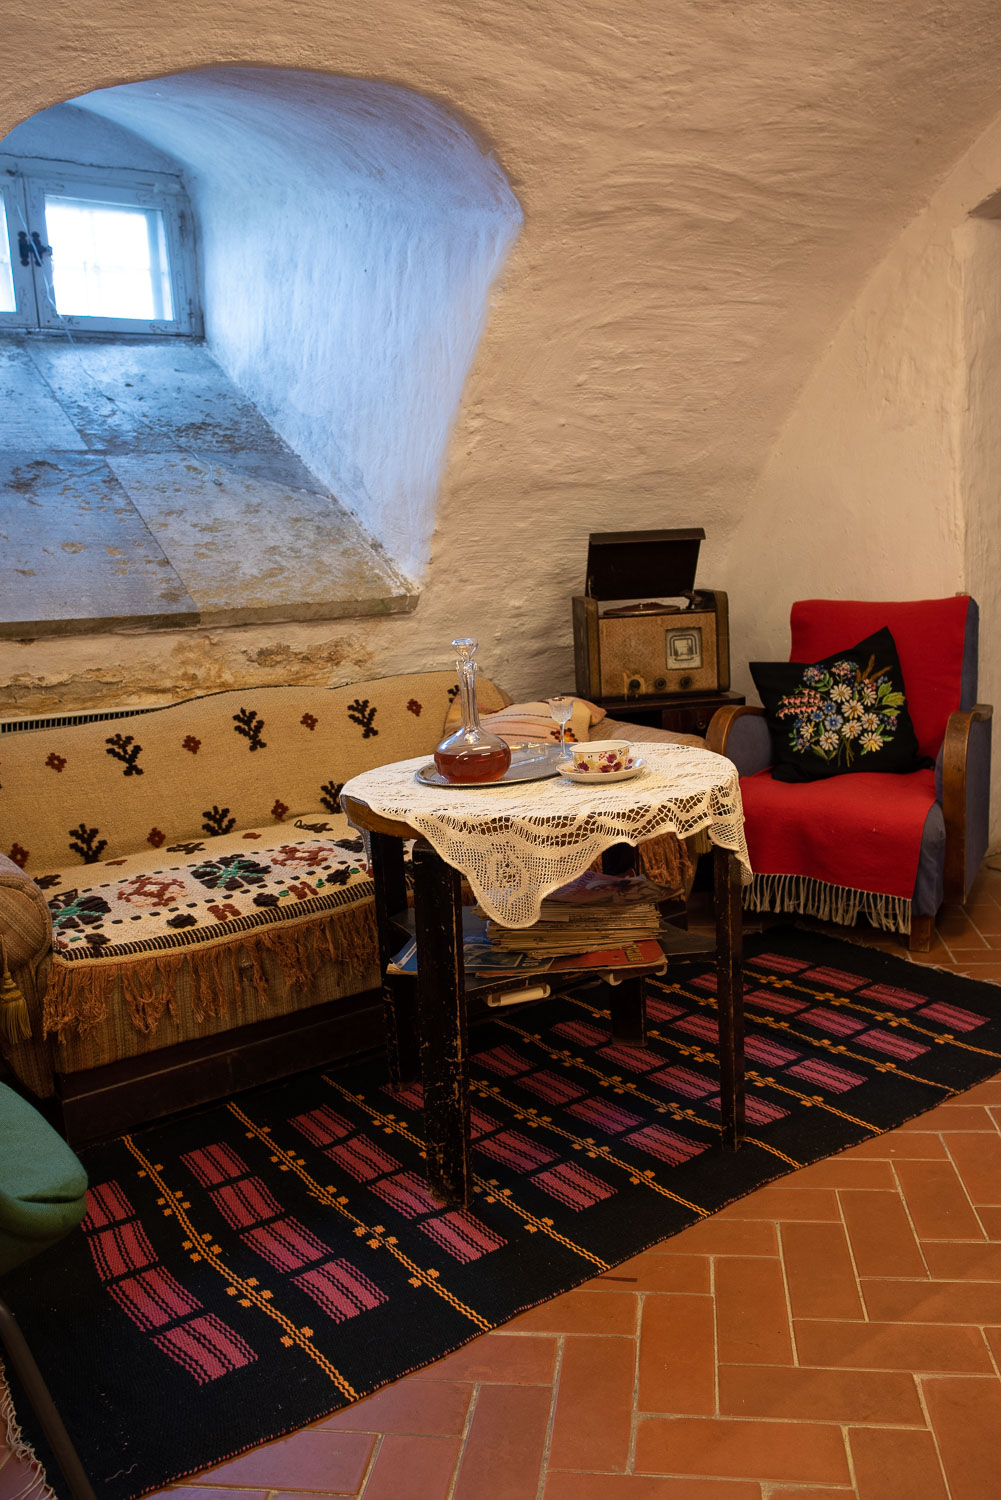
column 592, row 1426
column 503, row 1454
column 413, row 1468
column 893, row 1465
column 741, row 1449
column 677, row 1364
column 966, row 1420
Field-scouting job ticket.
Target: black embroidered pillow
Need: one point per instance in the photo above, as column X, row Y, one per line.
column 845, row 713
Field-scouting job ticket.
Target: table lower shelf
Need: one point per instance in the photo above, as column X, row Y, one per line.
column 427, row 1029
column 490, row 968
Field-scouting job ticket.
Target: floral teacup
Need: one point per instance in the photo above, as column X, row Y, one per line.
column 600, row 756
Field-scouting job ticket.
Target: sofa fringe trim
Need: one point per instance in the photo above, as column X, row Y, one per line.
column 828, row 903
column 78, row 994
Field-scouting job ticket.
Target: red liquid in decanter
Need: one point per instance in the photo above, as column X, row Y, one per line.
column 473, row 762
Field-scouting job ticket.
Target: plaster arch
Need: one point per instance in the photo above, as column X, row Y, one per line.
column 350, row 232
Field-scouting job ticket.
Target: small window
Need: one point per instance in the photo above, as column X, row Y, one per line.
column 103, row 251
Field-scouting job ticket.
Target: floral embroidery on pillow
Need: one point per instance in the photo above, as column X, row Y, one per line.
column 842, row 709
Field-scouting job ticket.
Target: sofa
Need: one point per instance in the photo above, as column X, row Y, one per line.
column 184, row 908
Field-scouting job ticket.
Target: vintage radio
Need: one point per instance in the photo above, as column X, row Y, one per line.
column 641, row 629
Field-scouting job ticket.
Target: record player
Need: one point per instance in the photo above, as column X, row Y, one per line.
column 641, row 629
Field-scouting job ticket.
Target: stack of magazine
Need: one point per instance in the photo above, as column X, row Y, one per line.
column 596, row 922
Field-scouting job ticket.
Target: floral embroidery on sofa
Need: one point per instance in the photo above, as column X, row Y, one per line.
column 233, row 874
column 157, row 910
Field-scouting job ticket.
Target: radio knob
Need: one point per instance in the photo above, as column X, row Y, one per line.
column 633, row 685
column 660, row 683
column 684, row 682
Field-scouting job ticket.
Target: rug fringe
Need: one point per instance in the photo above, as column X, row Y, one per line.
column 79, row 993
column 828, row 903
column 38, row 1487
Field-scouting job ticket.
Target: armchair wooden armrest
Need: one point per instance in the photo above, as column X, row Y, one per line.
column 966, row 761
column 739, row 732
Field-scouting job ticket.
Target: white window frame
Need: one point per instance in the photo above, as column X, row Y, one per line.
column 24, row 183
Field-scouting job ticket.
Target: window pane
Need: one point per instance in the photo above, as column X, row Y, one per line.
column 108, row 260
column 8, row 302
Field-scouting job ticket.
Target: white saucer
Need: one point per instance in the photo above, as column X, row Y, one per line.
column 591, row 777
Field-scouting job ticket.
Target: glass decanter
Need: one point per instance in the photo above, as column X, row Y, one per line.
column 471, row 753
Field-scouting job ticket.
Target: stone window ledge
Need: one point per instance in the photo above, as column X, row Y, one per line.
column 139, row 489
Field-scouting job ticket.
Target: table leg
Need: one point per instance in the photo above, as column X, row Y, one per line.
column 627, row 1002
column 441, row 999
column 398, row 1001
column 729, row 992
column 619, row 859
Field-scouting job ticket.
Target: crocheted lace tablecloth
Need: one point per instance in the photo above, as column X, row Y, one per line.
column 515, row 844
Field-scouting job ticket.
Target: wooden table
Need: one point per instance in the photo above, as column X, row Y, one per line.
column 430, row 1040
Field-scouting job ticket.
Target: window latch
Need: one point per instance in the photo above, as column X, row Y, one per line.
column 32, row 251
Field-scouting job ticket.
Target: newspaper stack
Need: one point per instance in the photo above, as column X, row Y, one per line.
column 594, row 912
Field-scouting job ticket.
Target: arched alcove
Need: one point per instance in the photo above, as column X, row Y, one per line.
column 348, row 233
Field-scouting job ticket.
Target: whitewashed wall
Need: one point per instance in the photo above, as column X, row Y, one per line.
column 69, row 133
column 708, row 192
column 886, row 481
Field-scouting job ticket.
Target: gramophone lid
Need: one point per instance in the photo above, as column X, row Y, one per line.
column 642, row 564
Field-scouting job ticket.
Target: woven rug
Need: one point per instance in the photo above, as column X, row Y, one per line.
column 249, row 1269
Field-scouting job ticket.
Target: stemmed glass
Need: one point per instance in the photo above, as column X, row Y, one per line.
column 560, row 709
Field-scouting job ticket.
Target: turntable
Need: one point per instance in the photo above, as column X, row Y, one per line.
column 641, row 629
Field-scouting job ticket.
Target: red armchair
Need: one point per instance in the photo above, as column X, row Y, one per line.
column 887, row 847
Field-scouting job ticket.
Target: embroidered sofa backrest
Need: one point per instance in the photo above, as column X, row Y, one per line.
column 239, row 759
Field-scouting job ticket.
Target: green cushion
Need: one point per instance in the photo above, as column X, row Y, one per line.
column 42, row 1184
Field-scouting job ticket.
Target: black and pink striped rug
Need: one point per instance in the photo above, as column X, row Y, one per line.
column 246, row 1270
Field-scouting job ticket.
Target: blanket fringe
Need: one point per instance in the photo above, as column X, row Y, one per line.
column 79, row 993
column 36, row 1487
column 828, row 903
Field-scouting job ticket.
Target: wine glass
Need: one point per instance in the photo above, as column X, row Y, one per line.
column 560, row 709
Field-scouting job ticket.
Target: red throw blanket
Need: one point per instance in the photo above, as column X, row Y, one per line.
column 862, row 832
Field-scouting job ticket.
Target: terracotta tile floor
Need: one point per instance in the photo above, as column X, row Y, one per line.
column 836, row 1334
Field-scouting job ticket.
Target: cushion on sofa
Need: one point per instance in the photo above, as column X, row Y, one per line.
column 530, row 721
column 301, row 892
